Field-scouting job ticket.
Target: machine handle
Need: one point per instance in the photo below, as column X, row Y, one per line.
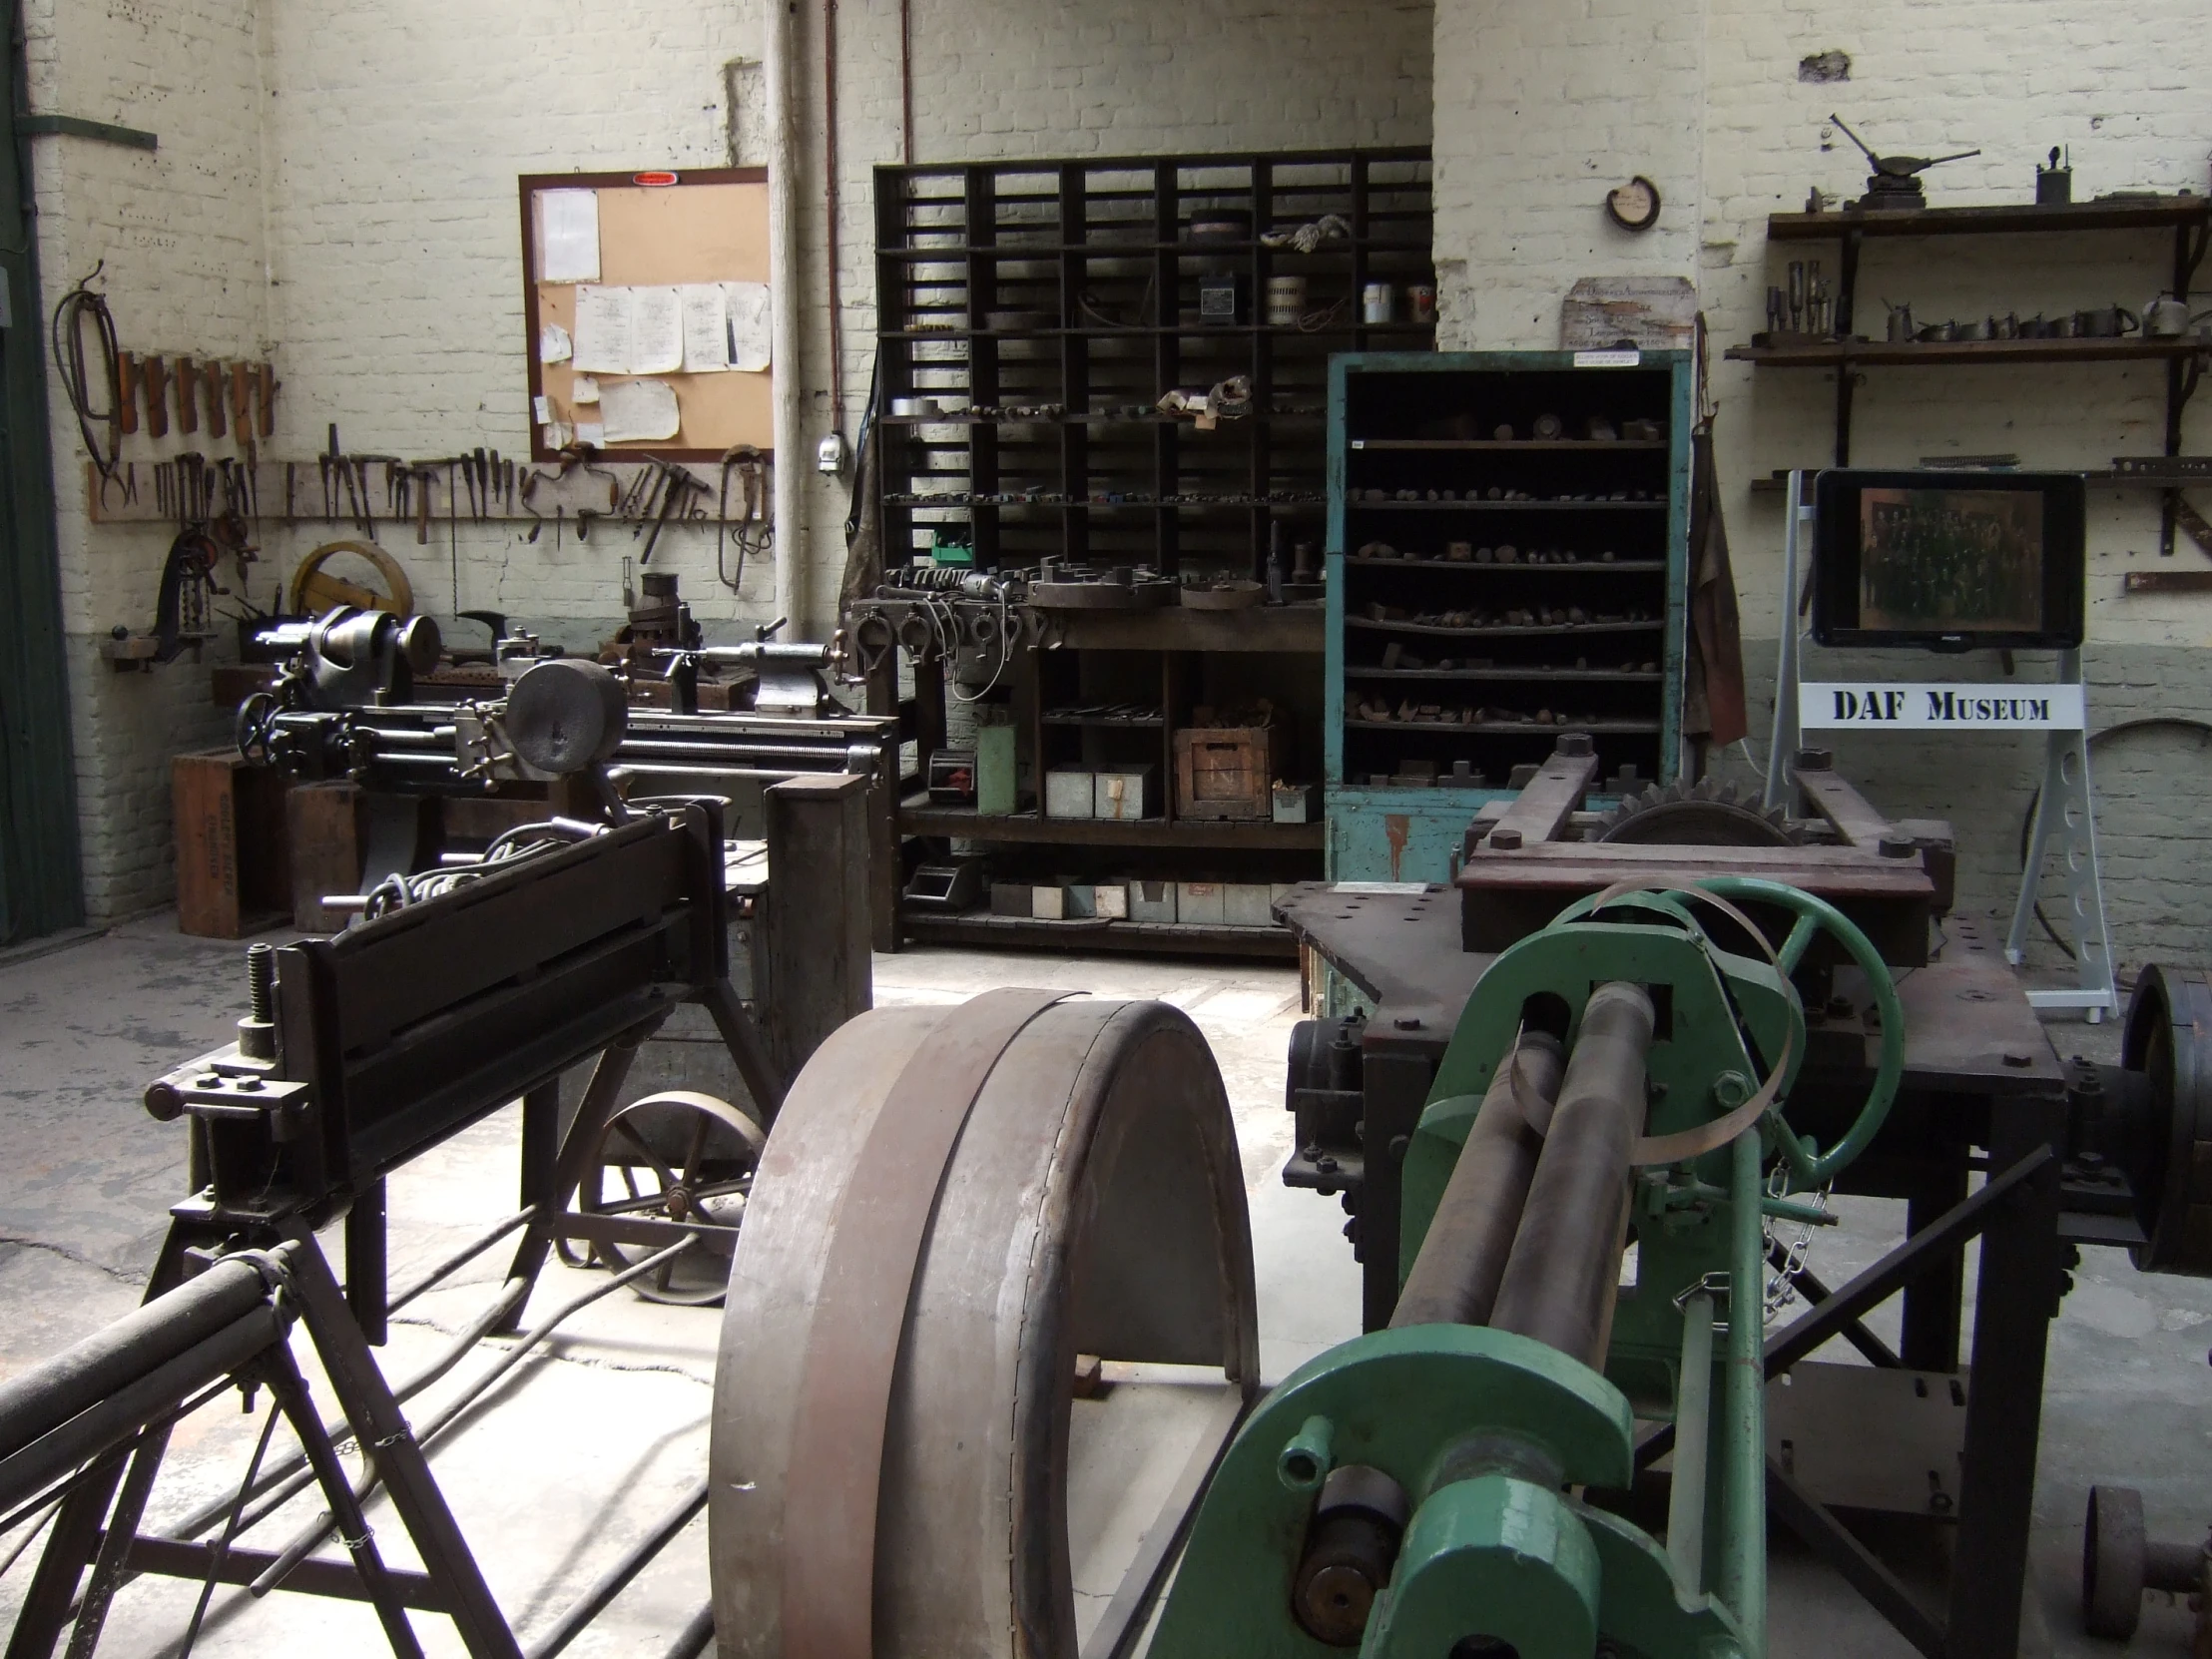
column 1809, row 1168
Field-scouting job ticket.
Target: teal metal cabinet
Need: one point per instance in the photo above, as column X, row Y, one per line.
column 1508, row 561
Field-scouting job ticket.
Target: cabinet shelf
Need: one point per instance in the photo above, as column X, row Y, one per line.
column 1503, row 506
column 990, row 932
column 1534, row 630
column 1596, row 567
column 2002, row 218
column 1571, row 447
column 919, row 818
column 1981, row 352
column 1507, row 728
column 1513, row 673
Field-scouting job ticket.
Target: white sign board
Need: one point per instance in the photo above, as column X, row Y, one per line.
column 1833, row 706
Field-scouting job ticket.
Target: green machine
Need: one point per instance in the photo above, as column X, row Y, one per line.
column 1432, row 1491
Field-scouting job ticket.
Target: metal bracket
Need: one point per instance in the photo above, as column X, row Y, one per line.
column 2066, row 823
column 73, row 125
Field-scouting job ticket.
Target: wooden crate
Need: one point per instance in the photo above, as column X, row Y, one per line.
column 234, row 874
column 324, row 826
column 1229, row 771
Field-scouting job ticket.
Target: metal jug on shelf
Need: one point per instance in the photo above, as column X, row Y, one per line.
column 1900, row 321
column 2107, row 323
column 2166, row 317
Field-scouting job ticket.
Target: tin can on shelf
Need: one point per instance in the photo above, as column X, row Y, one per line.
column 1378, row 303
column 1286, row 301
column 1420, row 302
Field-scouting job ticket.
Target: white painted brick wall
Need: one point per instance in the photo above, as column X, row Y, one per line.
column 1564, row 101
column 181, row 231
column 336, row 187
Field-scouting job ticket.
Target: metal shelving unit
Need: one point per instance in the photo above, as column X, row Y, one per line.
column 1485, row 662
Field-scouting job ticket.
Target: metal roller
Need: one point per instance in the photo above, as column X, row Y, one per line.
column 1462, row 1259
column 1564, row 1271
column 956, row 1202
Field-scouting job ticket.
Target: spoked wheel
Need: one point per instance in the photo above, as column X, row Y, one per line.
column 679, row 1157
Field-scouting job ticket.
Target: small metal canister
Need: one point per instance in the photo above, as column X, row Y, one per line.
column 1420, row 302
column 1378, row 303
column 1286, row 301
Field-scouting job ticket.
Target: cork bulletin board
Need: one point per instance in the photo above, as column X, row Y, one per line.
column 680, row 232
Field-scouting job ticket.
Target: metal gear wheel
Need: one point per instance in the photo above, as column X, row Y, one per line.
column 1703, row 814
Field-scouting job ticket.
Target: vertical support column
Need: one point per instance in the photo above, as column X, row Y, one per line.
column 2066, row 823
column 1935, row 1298
column 366, row 1258
column 1397, row 1088
column 2014, row 1303
column 817, row 932
column 1741, row 1568
column 541, row 1152
column 1783, row 737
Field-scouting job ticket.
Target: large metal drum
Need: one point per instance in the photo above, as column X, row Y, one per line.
column 954, row 1204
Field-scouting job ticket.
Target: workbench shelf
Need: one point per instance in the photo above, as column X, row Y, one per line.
column 2188, row 217
column 1453, row 673
column 1032, row 316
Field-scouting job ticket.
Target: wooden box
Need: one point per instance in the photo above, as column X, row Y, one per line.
column 232, row 873
column 1229, row 771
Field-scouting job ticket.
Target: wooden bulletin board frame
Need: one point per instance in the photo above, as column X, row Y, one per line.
column 655, row 234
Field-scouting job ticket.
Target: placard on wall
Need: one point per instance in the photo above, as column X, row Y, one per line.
column 703, row 227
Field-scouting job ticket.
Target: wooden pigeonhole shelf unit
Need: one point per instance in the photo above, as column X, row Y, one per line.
column 1448, row 675
column 1042, row 309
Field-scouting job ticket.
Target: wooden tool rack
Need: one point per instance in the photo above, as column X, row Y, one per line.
column 1483, row 662
column 1032, row 316
column 2189, row 218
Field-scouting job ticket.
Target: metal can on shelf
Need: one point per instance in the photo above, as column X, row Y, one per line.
column 1286, row 301
column 1378, row 303
column 1420, row 302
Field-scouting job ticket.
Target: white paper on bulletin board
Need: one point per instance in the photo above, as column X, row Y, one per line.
column 637, row 411
column 568, row 235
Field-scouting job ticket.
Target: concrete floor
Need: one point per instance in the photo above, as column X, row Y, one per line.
column 595, row 1437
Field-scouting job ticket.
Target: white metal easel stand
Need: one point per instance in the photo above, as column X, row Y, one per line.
column 2065, row 815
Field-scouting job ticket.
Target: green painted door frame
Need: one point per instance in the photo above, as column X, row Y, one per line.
column 41, row 880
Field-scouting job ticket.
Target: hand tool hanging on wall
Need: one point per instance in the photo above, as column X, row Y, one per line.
column 156, row 398
column 677, row 489
column 752, row 491
column 188, row 396
column 127, row 377
column 78, row 379
column 211, row 374
column 265, row 398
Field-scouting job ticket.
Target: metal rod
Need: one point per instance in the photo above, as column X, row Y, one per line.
column 1743, row 1565
column 616, row 1578
column 1563, row 1274
column 1693, row 1413
column 113, row 1418
column 457, row 1260
column 695, row 1637
column 288, row 1480
column 1463, row 1256
column 313, row 1534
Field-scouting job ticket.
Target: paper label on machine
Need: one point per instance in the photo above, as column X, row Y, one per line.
column 1829, row 706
